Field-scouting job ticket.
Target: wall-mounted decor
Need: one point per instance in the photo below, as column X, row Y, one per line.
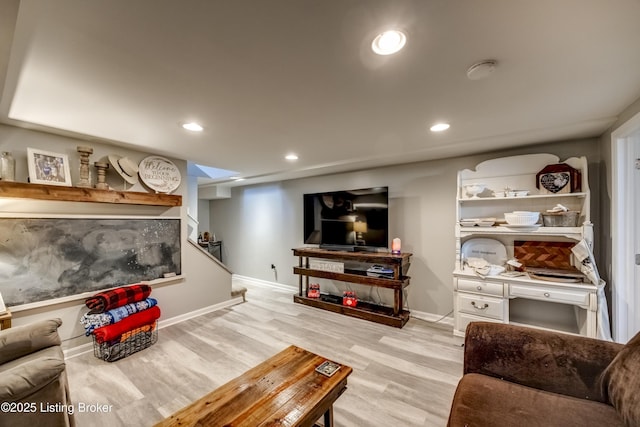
column 47, row 258
column 50, row 168
column 159, row 174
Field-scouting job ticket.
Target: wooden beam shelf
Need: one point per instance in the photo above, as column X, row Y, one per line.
column 82, row 194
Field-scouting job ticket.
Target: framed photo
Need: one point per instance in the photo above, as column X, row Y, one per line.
column 50, row 168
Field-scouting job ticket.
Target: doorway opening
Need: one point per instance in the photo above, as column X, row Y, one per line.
column 625, row 230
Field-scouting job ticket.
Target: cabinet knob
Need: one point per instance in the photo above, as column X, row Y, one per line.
column 479, row 287
column 484, row 306
column 547, row 294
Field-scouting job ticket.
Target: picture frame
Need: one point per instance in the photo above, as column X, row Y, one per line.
column 46, row 167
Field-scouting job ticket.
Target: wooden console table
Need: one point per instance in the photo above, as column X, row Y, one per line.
column 392, row 316
column 284, row 390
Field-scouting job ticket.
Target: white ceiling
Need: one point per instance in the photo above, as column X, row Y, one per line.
column 270, row 77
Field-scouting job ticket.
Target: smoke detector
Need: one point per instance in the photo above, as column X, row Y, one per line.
column 482, row 69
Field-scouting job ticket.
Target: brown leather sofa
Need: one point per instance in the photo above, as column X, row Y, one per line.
column 519, row 376
column 33, row 382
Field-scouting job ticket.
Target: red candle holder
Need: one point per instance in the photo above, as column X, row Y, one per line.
column 314, row 290
column 349, row 299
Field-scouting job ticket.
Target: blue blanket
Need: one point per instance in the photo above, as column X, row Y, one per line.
column 98, row 320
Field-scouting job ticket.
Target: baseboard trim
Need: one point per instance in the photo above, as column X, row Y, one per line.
column 86, row 348
column 432, row 318
column 266, row 283
column 190, row 315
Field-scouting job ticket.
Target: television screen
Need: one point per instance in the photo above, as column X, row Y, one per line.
column 348, row 220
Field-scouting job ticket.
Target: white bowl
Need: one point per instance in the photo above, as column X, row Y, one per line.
column 522, row 218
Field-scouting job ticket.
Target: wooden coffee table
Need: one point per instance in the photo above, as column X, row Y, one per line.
column 284, row 390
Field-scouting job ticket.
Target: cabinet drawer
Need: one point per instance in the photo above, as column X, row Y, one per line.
column 564, row 296
column 481, row 306
column 480, row 287
column 464, row 319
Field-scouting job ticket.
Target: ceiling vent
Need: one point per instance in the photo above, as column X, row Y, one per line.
column 481, row 70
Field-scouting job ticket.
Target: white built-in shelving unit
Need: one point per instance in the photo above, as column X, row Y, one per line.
column 560, row 306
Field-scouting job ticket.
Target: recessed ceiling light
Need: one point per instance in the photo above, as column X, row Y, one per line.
column 439, row 127
column 192, row 126
column 389, row 42
column 238, row 179
column 291, row 157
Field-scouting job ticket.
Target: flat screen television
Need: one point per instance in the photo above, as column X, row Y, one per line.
column 348, row 220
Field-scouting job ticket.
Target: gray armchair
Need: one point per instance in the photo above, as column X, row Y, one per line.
column 33, row 382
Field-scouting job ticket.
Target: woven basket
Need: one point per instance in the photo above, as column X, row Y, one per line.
column 127, row 344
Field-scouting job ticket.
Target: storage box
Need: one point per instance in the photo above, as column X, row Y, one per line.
column 127, row 344
column 560, row 219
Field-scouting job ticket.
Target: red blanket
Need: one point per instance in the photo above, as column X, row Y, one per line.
column 137, row 320
column 107, row 300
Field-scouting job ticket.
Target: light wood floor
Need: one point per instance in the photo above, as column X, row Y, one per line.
column 401, row 377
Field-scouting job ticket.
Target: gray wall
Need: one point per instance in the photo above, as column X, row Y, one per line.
column 204, row 282
column 260, row 224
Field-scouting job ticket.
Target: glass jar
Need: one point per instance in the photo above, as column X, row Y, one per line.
column 7, row 167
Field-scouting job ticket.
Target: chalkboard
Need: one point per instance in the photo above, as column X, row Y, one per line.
column 48, row 258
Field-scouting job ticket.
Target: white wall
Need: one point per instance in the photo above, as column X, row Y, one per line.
column 203, row 216
column 204, row 282
column 260, row 224
column 606, row 183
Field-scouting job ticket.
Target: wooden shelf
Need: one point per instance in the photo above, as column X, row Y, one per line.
column 364, row 310
column 81, row 194
column 579, row 195
column 354, row 278
column 575, row 233
column 371, row 257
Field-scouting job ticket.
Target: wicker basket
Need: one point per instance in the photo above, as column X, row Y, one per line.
column 127, row 344
column 560, row 219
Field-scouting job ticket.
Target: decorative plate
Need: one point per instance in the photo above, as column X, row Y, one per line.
column 491, row 250
column 159, row 174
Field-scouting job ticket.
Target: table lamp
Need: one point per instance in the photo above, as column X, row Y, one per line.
column 360, row 227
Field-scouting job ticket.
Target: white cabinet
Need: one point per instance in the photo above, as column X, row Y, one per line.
column 556, row 305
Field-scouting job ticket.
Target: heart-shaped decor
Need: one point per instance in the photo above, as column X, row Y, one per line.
column 554, row 182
